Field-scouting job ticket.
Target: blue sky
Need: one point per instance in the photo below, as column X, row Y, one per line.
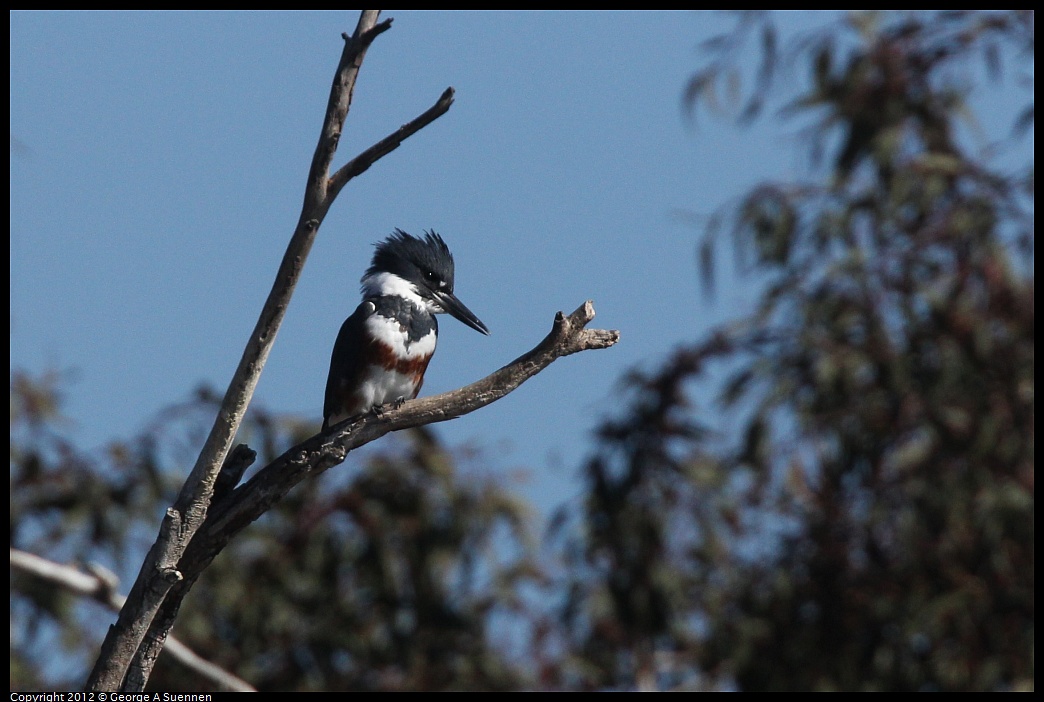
column 157, row 171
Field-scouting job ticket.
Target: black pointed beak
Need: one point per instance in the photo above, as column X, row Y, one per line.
column 450, row 303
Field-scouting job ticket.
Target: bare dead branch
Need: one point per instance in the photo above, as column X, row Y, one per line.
column 249, row 501
column 385, row 146
column 100, row 585
column 132, row 643
column 341, row 92
column 315, row 455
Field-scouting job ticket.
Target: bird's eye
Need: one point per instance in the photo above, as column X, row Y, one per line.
column 430, row 276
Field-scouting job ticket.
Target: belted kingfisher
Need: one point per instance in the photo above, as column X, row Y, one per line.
column 383, row 349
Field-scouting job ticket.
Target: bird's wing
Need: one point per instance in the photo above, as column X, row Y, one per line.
column 345, row 362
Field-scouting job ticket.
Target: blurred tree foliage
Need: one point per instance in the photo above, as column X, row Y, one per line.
column 861, row 515
column 850, row 506
column 384, row 577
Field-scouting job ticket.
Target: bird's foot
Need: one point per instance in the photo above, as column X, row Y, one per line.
column 378, row 410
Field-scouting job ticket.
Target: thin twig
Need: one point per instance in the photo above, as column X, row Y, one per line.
column 385, row 146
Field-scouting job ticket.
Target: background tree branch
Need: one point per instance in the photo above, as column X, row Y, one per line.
column 100, row 586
